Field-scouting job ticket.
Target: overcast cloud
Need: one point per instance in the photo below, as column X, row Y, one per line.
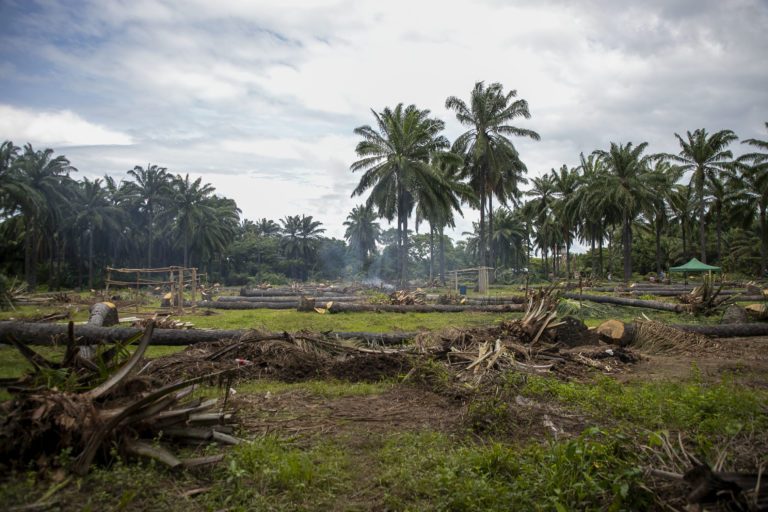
column 260, row 98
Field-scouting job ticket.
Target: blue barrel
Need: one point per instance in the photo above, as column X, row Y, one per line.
column 462, row 290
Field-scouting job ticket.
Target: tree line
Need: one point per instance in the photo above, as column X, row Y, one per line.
column 654, row 209
column 623, row 196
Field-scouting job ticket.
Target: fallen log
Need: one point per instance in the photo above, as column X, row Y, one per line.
column 243, row 304
column 293, row 299
column 288, row 292
column 637, row 303
column 726, row 330
column 483, row 300
column 49, row 334
column 621, row 333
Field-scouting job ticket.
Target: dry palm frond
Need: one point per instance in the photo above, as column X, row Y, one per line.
column 706, row 299
column 657, row 337
column 102, row 404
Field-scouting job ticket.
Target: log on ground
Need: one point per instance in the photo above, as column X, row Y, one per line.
column 242, row 304
column 637, row 303
column 48, row 334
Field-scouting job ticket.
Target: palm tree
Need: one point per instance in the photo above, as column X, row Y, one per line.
column 626, row 187
column 396, row 161
column 44, row 178
column 214, row 233
column 540, row 210
column 755, row 176
column 95, row 212
column 657, row 210
column 300, row 236
column 706, row 156
column 267, row 227
column 362, row 232
column 191, row 208
column 591, row 218
column 680, row 201
column 566, row 183
column 152, row 187
column 490, row 153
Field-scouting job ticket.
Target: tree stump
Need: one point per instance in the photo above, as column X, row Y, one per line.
column 616, row 332
column 734, row 314
column 103, row 314
column 306, row 304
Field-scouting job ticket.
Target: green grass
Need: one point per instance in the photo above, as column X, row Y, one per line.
column 690, row 405
column 425, row 470
column 291, row 320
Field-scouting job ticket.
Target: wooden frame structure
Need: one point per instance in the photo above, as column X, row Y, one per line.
column 482, row 277
column 178, row 278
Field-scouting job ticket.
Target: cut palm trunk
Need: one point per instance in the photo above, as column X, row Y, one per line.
column 637, row 303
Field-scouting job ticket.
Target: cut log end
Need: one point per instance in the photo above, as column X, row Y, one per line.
column 616, row 332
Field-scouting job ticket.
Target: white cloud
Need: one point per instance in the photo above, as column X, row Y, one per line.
column 58, row 128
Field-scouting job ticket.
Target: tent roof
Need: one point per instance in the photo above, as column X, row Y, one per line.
column 694, row 266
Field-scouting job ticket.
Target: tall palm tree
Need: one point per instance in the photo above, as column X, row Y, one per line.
column 362, row 233
column 190, row 207
column 540, row 210
column 395, row 159
column 267, row 227
column 95, row 212
column 681, row 204
column 656, row 209
column 591, row 219
column 152, row 186
column 486, row 144
column 706, row 156
column 755, row 175
column 300, row 237
column 627, row 187
column 566, row 184
column 44, row 177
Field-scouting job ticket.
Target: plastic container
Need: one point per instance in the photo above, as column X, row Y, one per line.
column 462, row 290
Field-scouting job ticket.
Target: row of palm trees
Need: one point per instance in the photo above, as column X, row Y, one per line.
column 411, row 168
column 51, row 215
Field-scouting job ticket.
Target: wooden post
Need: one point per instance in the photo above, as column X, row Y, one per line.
column 136, row 295
column 194, row 287
column 180, row 307
column 172, row 282
column 106, row 291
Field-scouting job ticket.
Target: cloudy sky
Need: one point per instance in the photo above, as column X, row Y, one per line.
column 261, row 97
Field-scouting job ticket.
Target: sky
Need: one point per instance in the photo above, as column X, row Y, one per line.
column 260, row 98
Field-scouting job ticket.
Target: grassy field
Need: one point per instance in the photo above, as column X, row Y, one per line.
column 526, row 442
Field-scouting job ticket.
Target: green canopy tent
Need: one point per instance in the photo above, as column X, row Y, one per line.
column 694, row 266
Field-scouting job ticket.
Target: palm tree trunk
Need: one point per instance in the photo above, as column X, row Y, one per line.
column 658, row 248
column 491, row 259
column 594, row 256
column 186, row 241
column 404, row 268
column 702, row 226
column 627, row 243
column 610, row 251
column 719, row 238
column 483, row 261
column 90, row 257
column 33, row 261
column 442, row 256
column 431, row 251
column 685, row 243
column 764, row 241
column 567, row 257
column 150, row 239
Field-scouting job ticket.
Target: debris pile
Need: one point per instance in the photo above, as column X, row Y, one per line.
column 407, row 298
column 89, row 405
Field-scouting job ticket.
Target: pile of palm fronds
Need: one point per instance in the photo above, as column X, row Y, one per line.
column 451, row 299
column 707, row 485
column 163, row 322
column 85, row 405
column 706, row 299
column 515, row 344
column 657, row 337
column 407, row 298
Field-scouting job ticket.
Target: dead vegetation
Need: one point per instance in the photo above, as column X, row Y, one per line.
column 87, row 404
